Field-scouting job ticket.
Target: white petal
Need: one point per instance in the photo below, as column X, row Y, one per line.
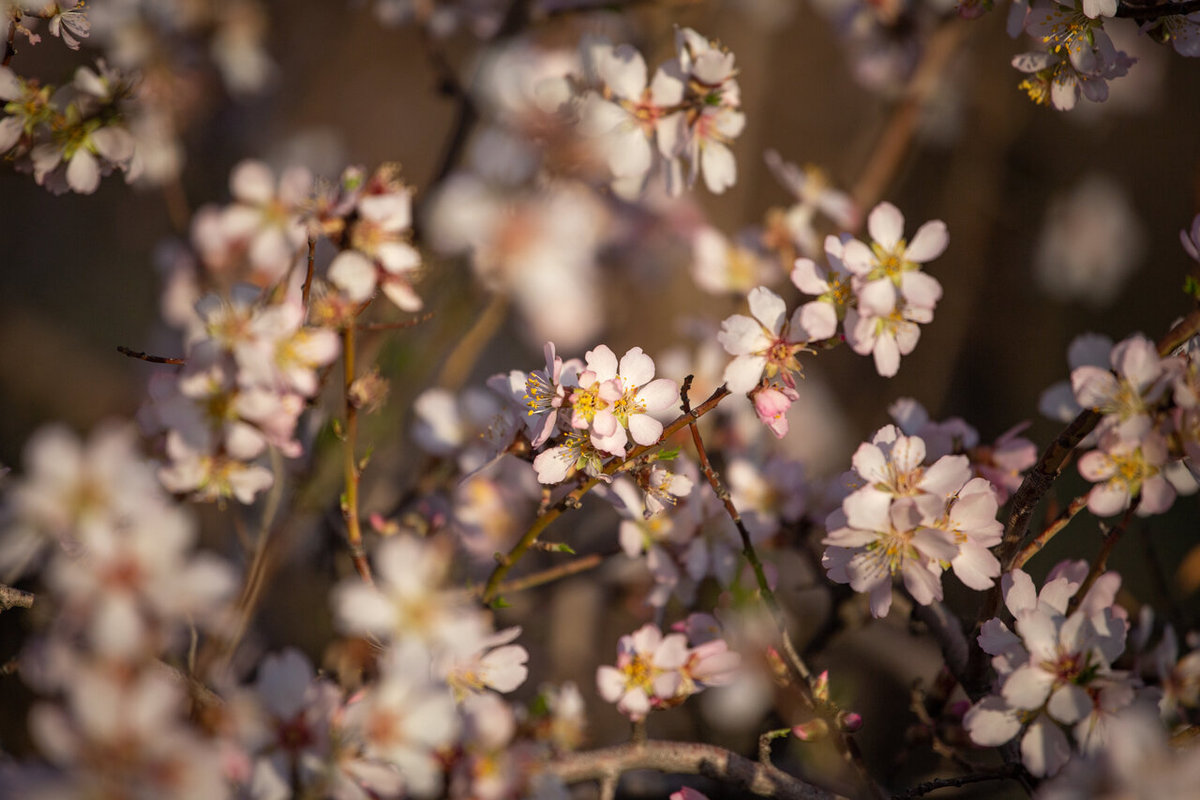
column 886, row 225
column 354, row 274
column 929, row 243
column 768, row 308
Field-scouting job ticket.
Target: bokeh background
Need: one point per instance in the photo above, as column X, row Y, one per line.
column 1060, row 223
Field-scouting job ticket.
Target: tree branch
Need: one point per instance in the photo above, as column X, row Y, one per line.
column 689, row 759
column 14, row 598
column 572, row 498
column 1146, row 13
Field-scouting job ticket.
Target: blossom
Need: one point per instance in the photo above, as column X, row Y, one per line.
column 70, row 24
column 1081, row 58
column 833, row 285
column 408, row 602
column 1122, row 470
column 404, row 719
column 647, row 671
column 497, row 664
column 614, row 400
column 267, row 216
column 889, row 271
column 1055, row 670
column 814, row 195
column 874, row 538
column 378, row 252
column 768, row 342
column 1127, row 398
column 771, row 406
column 630, row 114
column 81, row 156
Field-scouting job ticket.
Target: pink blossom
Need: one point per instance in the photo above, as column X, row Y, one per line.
column 647, row 671
column 768, row 343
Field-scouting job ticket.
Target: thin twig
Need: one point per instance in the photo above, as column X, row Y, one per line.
column 256, row 575
column 350, row 467
column 1038, row 542
column 1145, row 13
column 795, row 661
column 395, row 326
column 572, row 498
column 897, row 137
column 802, row 674
column 14, row 598
column 581, row 564
column 1101, row 563
column 308, row 272
column 462, row 359
column 686, row 758
column 125, row 351
column 764, row 743
column 1008, row 772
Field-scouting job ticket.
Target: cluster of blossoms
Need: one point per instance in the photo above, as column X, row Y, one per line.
column 1054, row 668
column 254, row 355
column 1148, row 435
column 913, row 517
column 68, row 139
column 126, row 113
column 1079, row 58
column 125, row 588
column 599, row 405
column 689, row 110
column 877, row 293
column 1003, row 463
column 657, row 671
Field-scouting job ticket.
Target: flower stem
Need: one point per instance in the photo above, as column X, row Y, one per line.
column 571, row 499
column 350, row 467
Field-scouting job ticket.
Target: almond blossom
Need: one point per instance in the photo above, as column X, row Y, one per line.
column 629, row 119
column 615, row 400
column 769, row 342
column 267, row 216
column 889, row 271
column 377, row 251
column 1055, row 670
column 911, row 519
column 647, row 671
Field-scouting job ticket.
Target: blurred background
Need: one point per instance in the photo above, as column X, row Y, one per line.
column 1060, row 223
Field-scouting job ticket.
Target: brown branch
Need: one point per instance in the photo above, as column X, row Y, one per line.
column 308, row 271
column 395, row 326
column 572, row 498
column 1008, row 772
column 581, row 564
column 1101, row 562
column 1038, row 542
column 802, row 675
column 894, row 142
column 125, row 351
column 685, row 758
column 14, row 598
column 350, row 468
column 1146, row 13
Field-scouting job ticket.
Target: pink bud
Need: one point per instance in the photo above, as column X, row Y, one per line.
column 850, row 721
column 821, row 687
column 811, row 731
column 771, row 405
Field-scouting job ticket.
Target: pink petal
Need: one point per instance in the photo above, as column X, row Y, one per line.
column 886, row 225
column 929, row 243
